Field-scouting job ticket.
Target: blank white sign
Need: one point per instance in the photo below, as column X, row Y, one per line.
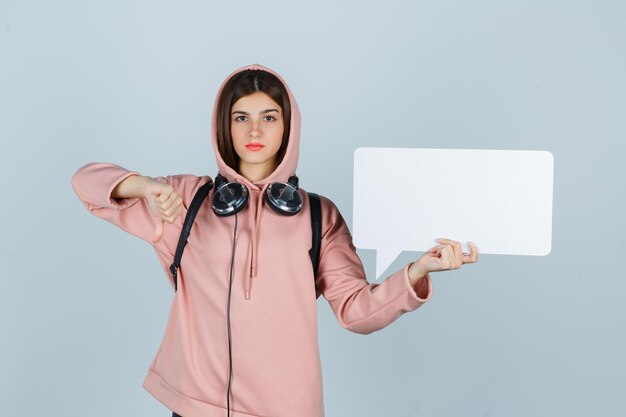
column 404, row 198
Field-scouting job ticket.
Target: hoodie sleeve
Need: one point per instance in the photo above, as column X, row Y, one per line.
column 359, row 306
column 94, row 182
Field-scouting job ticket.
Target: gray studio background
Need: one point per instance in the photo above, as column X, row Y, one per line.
column 84, row 305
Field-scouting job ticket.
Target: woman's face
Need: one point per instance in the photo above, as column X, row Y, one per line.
column 256, row 126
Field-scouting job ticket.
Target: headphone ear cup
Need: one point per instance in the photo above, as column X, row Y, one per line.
column 229, row 198
column 284, row 198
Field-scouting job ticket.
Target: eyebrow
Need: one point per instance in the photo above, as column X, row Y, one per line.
column 261, row 112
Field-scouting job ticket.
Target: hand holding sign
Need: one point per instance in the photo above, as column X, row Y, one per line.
column 448, row 255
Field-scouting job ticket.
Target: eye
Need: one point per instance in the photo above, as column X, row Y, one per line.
column 237, row 119
column 272, row 118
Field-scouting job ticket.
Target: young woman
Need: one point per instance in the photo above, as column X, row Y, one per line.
column 242, row 329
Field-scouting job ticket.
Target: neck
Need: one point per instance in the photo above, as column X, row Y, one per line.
column 255, row 172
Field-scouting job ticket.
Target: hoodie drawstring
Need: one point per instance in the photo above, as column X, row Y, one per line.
column 254, row 241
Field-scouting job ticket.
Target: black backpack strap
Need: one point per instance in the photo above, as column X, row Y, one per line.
column 195, row 205
column 316, row 229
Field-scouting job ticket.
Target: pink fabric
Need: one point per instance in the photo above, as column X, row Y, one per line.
column 276, row 362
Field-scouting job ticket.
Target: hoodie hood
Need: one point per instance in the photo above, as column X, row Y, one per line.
column 281, row 173
column 287, row 167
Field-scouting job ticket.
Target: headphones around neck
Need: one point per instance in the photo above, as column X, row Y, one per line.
column 231, row 197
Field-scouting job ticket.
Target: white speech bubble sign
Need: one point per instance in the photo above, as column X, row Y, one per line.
column 405, row 198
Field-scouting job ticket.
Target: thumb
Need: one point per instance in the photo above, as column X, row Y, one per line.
column 158, row 233
column 152, row 192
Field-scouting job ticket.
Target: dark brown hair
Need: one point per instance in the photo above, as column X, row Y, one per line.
column 240, row 85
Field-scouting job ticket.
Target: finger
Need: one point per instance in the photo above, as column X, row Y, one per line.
column 164, row 198
column 446, row 254
column 158, row 233
column 160, row 191
column 175, row 207
column 170, row 206
column 438, row 250
column 456, row 246
column 452, row 260
column 167, row 205
column 172, row 217
column 169, row 201
column 473, row 256
column 441, row 245
column 432, row 249
column 447, row 241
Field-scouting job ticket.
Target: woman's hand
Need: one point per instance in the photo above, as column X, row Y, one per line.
column 447, row 255
column 164, row 202
column 162, row 199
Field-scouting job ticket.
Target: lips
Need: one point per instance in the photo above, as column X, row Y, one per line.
column 255, row 147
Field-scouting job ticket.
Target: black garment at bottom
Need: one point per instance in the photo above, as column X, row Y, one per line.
column 175, row 415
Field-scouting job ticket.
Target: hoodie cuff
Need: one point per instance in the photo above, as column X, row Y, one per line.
column 421, row 291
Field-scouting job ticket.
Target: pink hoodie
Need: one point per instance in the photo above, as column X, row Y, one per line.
column 275, row 356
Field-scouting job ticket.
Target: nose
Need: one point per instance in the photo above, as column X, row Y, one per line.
column 255, row 130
